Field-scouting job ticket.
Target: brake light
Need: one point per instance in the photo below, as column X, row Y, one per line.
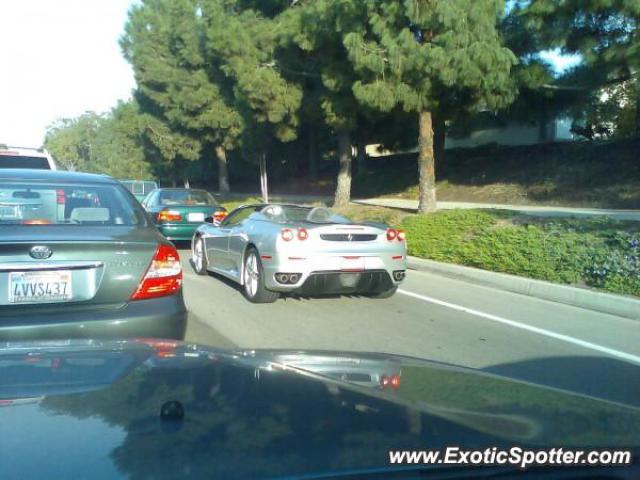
column 391, row 234
column 286, row 234
column 401, row 235
column 163, row 277
column 392, row 381
column 60, row 197
column 303, row 234
column 37, row 221
column 163, row 348
column 169, row 216
column 219, row 215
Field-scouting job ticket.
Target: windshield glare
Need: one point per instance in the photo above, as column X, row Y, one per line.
column 63, row 204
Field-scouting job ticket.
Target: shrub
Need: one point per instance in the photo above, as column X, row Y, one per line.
column 596, row 252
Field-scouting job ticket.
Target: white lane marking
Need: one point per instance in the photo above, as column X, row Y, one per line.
column 541, row 331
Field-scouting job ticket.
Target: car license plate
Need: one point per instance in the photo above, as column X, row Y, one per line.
column 195, row 217
column 40, row 287
column 352, row 264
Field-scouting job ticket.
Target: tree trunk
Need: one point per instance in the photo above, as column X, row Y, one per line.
column 313, row 153
column 264, row 185
column 439, row 138
column 223, row 174
column 426, row 165
column 343, row 190
column 637, row 106
column 361, row 157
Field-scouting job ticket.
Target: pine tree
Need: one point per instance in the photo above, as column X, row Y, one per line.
column 179, row 86
column 606, row 34
column 312, row 34
column 241, row 39
column 433, row 57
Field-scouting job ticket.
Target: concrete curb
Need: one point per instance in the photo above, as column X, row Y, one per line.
column 612, row 304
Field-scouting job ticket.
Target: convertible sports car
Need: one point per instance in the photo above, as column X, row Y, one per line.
column 275, row 248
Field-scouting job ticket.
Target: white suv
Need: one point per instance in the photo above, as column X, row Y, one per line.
column 19, row 157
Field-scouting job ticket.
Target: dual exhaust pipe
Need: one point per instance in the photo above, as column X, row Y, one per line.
column 398, row 275
column 288, row 278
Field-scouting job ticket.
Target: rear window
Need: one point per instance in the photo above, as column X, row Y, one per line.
column 185, row 197
column 149, row 187
column 62, row 204
column 140, row 188
column 20, row 161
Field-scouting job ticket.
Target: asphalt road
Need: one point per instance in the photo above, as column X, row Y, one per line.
column 437, row 318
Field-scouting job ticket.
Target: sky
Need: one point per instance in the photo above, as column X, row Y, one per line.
column 61, row 58
column 58, row 58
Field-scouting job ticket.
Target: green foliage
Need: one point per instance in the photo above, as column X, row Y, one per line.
column 437, row 56
column 243, row 43
column 112, row 144
column 178, row 85
column 597, row 252
column 604, row 33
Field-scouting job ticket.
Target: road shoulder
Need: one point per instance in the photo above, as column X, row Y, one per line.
column 619, row 305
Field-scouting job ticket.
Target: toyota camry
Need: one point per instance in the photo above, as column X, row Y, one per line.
column 80, row 258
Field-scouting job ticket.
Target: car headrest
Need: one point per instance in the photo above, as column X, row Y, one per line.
column 81, row 215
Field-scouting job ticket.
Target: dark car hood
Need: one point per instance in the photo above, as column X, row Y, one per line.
column 93, row 410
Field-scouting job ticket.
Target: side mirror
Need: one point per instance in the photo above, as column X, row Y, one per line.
column 210, row 220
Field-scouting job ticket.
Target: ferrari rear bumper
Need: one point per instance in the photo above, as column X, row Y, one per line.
column 333, row 273
column 370, row 281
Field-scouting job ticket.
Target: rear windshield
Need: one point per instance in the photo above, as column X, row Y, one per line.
column 185, row 197
column 61, row 204
column 140, row 188
column 20, row 161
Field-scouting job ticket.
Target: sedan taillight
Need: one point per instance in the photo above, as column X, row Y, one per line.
column 169, row 216
column 163, row 277
column 219, row 215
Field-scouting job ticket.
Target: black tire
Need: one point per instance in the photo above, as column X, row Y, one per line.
column 386, row 294
column 256, row 292
column 200, row 268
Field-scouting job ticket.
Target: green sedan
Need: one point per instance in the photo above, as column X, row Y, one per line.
column 178, row 212
column 80, row 258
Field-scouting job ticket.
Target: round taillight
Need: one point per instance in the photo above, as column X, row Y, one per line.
column 395, row 381
column 384, row 381
column 302, row 234
column 286, row 234
column 391, row 234
column 401, row 236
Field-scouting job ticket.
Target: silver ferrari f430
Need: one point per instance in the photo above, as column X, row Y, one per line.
column 271, row 249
